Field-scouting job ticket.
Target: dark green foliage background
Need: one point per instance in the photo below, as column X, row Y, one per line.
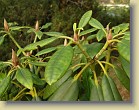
column 62, row 13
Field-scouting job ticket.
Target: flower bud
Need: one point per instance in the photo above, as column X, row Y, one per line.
column 37, row 25
column 15, row 60
column 75, row 36
column 109, row 36
column 65, row 42
column 6, row 26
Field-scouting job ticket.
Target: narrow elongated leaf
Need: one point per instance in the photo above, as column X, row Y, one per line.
column 68, row 91
column 46, row 26
column 96, row 92
column 124, row 49
column 41, row 43
column 4, row 85
column 45, row 51
column 85, row 19
column 100, row 35
column 87, row 31
column 96, row 24
column 114, row 89
column 58, row 64
column 24, row 76
column 122, row 76
column 37, row 63
column 54, row 34
column 50, row 89
column 125, row 65
column 106, row 89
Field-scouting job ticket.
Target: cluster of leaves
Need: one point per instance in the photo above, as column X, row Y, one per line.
column 77, row 70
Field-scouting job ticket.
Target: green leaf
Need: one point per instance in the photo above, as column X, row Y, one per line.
column 106, row 89
column 127, row 37
column 114, row 89
column 4, row 85
column 41, row 43
column 100, row 35
column 85, row 19
column 39, row 34
column 50, row 89
column 96, row 92
column 45, row 51
column 124, row 49
column 2, row 76
column 58, row 64
column 87, row 31
column 122, row 76
column 38, row 63
column 116, row 29
column 18, row 28
column 125, row 65
column 1, row 40
column 54, row 34
column 24, row 76
column 96, row 24
column 124, row 27
column 37, row 80
column 93, row 49
column 46, row 26
column 68, row 91
column 3, row 65
column 91, row 37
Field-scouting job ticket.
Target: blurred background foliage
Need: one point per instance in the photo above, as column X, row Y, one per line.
column 62, row 14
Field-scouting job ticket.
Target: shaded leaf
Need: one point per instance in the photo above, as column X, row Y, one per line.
column 50, row 89
column 37, row 80
column 114, row 89
column 68, row 91
column 122, row 76
column 106, row 88
column 58, row 64
column 96, row 92
column 4, row 85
